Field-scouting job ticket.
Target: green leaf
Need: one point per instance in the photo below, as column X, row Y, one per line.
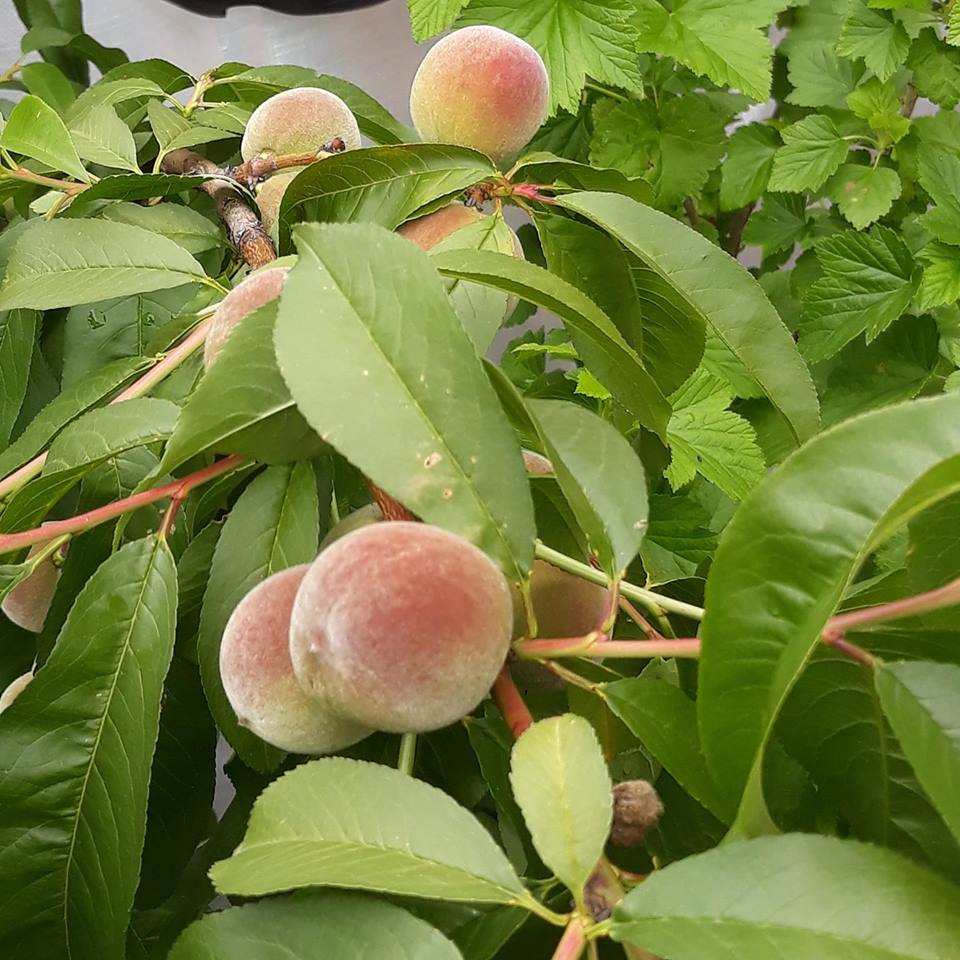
column 864, row 194
column 678, row 539
column 936, row 70
column 813, row 150
column 76, row 747
column 384, row 185
column 102, row 137
column 374, row 120
column 561, row 783
column 65, row 407
column 793, row 896
column 774, row 557
column 704, row 281
column 166, row 123
column 18, row 330
column 601, row 478
column 404, row 398
column 312, row 926
column 242, row 404
column 34, row 130
column 110, row 92
column 720, row 39
column 188, row 228
column 921, row 701
column 874, row 37
column 879, row 105
column 597, row 340
column 867, row 283
column 940, row 283
column 664, row 719
column 939, row 171
column 127, row 186
column 47, row 82
column 576, row 38
column 707, row 438
column 819, row 77
column 60, row 263
column 346, row 823
column 744, row 176
column 779, row 224
column 674, row 146
column 273, row 525
column 430, row 17
column 547, row 168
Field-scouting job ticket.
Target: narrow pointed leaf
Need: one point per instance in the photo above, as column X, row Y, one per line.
column 18, row 329
column 34, row 130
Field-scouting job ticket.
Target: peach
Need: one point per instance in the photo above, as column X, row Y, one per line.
column 426, row 232
column 565, row 605
column 401, row 626
column 28, row 603
column 250, row 294
column 258, row 676
column 301, row 120
column 269, row 196
column 481, row 87
column 536, row 463
column 362, row 517
column 14, row 689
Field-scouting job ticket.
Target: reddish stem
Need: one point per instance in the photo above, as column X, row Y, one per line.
column 253, row 171
column 851, row 650
column 507, row 697
column 530, row 191
column 572, row 942
column 945, row 596
column 83, row 521
column 593, row 645
column 641, row 621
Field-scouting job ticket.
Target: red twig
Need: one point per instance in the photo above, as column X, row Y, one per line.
column 507, row 697
column 641, row 621
column 83, row 521
column 572, row 942
column 253, row 171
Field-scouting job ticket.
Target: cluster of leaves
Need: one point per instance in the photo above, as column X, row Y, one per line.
column 683, row 385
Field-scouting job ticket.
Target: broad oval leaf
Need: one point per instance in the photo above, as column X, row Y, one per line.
column 561, row 783
column 273, row 525
column 242, row 404
column 922, row 702
column 786, row 558
column 129, row 186
column 403, row 394
column 664, row 719
column 60, row 263
column 313, row 926
column 601, row 478
column 384, row 185
column 348, row 823
column 599, row 343
column 102, row 137
column 75, row 755
column 34, row 130
column 709, row 282
column 793, row 896
column 184, row 225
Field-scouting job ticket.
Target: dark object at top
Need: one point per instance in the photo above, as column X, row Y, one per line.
column 218, row 8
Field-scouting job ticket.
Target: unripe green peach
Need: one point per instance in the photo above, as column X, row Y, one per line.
column 14, row 689
column 250, row 294
column 28, row 603
column 401, row 626
column 426, row 232
column 258, row 677
column 301, row 120
column 481, row 87
column 360, row 518
column 269, row 196
column 565, row 605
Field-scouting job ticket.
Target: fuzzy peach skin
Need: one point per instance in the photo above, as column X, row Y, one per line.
column 248, row 295
column 401, row 626
column 14, row 689
column 269, row 196
column 301, row 120
column 481, row 87
column 28, row 603
column 536, row 463
column 565, row 605
column 258, row 676
column 426, row 232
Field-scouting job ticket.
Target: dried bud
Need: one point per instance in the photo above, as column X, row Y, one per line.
column 636, row 808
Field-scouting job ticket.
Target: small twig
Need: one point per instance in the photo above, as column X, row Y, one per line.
column 12, row 70
column 569, row 676
column 180, row 494
column 243, row 227
column 572, row 942
column 84, row 521
column 638, row 618
column 593, row 645
column 508, row 698
column 408, row 753
column 839, row 642
column 946, row 596
column 253, row 171
column 69, row 187
column 735, row 227
column 909, row 100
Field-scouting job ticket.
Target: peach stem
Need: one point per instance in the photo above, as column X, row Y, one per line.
column 572, row 942
column 594, row 645
column 508, row 698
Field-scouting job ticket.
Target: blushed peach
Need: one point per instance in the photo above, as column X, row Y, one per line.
column 269, row 196
column 301, row 120
column 28, row 603
column 536, row 463
column 14, row 689
column 401, row 626
column 258, row 676
column 250, row 294
column 481, row 87
column 426, row 232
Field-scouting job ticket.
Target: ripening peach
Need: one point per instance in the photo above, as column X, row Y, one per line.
column 536, row 463
column 401, row 626
column 481, row 87
column 14, row 689
column 269, row 196
column 565, row 605
column 301, row 120
column 258, row 677
column 426, row 232
column 250, row 294
column 28, row 603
